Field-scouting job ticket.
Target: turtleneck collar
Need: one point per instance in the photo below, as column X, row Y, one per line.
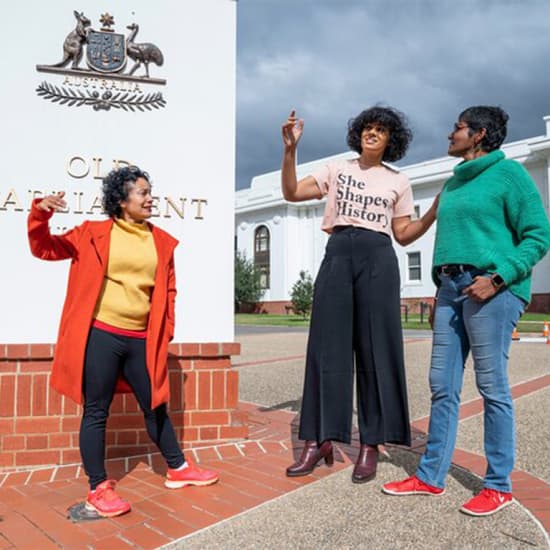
column 469, row 169
column 130, row 227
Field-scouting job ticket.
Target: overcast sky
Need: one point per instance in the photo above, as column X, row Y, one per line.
column 330, row 59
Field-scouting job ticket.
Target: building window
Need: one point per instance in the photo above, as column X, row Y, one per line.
column 416, row 214
column 414, row 266
column 261, row 254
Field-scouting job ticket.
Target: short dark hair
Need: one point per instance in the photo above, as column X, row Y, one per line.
column 392, row 119
column 116, row 185
column 493, row 119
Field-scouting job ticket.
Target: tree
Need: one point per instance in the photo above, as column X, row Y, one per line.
column 302, row 294
column 247, row 281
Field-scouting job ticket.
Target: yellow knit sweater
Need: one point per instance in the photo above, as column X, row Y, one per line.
column 125, row 298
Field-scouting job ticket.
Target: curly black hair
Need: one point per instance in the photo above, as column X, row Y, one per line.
column 493, row 119
column 392, row 119
column 116, row 185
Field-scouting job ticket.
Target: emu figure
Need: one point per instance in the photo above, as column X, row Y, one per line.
column 142, row 53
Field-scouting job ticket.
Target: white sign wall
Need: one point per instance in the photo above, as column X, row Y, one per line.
column 187, row 146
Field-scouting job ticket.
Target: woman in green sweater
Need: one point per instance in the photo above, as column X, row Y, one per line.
column 491, row 230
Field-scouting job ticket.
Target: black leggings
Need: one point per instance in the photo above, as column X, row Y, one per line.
column 107, row 356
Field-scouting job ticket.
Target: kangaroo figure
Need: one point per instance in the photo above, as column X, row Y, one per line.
column 142, row 53
column 73, row 45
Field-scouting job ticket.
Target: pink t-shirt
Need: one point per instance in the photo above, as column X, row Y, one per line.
column 364, row 197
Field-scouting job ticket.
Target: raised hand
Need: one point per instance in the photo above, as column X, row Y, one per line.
column 52, row 202
column 292, row 130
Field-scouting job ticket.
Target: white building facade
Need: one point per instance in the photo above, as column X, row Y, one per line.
column 284, row 238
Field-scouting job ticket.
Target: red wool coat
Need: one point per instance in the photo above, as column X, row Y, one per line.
column 87, row 246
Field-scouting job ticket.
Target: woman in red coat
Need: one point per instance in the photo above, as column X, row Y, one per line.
column 116, row 323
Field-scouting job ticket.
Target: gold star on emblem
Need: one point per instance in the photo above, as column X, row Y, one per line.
column 107, row 20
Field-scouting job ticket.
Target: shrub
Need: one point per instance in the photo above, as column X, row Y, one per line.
column 301, row 294
column 247, row 282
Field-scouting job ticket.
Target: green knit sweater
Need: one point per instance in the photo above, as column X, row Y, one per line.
column 490, row 215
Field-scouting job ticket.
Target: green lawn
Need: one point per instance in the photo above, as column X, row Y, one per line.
column 533, row 322
column 529, row 322
column 273, row 320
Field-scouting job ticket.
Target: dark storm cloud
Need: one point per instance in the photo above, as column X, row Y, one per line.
column 330, row 59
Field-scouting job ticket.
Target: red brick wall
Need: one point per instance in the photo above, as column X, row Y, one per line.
column 39, row 427
column 540, row 303
column 281, row 307
column 414, row 303
column 277, row 307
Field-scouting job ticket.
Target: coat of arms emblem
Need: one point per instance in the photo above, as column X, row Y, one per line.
column 104, row 85
column 106, row 51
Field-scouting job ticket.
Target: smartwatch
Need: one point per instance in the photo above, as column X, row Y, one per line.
column 497, row 280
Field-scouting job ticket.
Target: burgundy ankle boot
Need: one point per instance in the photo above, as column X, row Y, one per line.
column 365, row 467
column 311, row 456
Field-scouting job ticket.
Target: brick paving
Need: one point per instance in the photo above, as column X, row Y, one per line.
column 33, row 504
column 33, row 511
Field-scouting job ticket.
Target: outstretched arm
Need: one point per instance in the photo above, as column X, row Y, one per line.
column 406, row 231
column 43, row 244
column 294, row 190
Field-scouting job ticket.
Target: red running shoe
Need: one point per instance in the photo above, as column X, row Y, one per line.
column 411, row 486
column 106, row 502
column 487, row 502
column 192, row 475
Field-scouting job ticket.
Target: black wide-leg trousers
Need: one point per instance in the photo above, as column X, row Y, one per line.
column 356, row 315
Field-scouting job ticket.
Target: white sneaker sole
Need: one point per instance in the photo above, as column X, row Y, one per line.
column 480, row 514
column 91, row 508
column 179, row 484
column 408, row 493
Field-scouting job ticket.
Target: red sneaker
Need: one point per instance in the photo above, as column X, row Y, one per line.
column 106, row 502
column 192, row 475
column 487, row 502
column 411, row 486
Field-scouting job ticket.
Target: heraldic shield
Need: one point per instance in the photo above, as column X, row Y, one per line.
column 106, row 51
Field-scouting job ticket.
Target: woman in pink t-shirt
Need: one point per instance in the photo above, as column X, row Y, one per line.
column 356, row 305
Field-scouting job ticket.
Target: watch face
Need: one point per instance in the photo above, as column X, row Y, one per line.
column 497, row 279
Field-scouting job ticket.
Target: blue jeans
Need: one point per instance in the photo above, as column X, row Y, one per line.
column 485, row 328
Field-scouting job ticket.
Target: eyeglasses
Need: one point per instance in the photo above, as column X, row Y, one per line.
column 456, row 127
